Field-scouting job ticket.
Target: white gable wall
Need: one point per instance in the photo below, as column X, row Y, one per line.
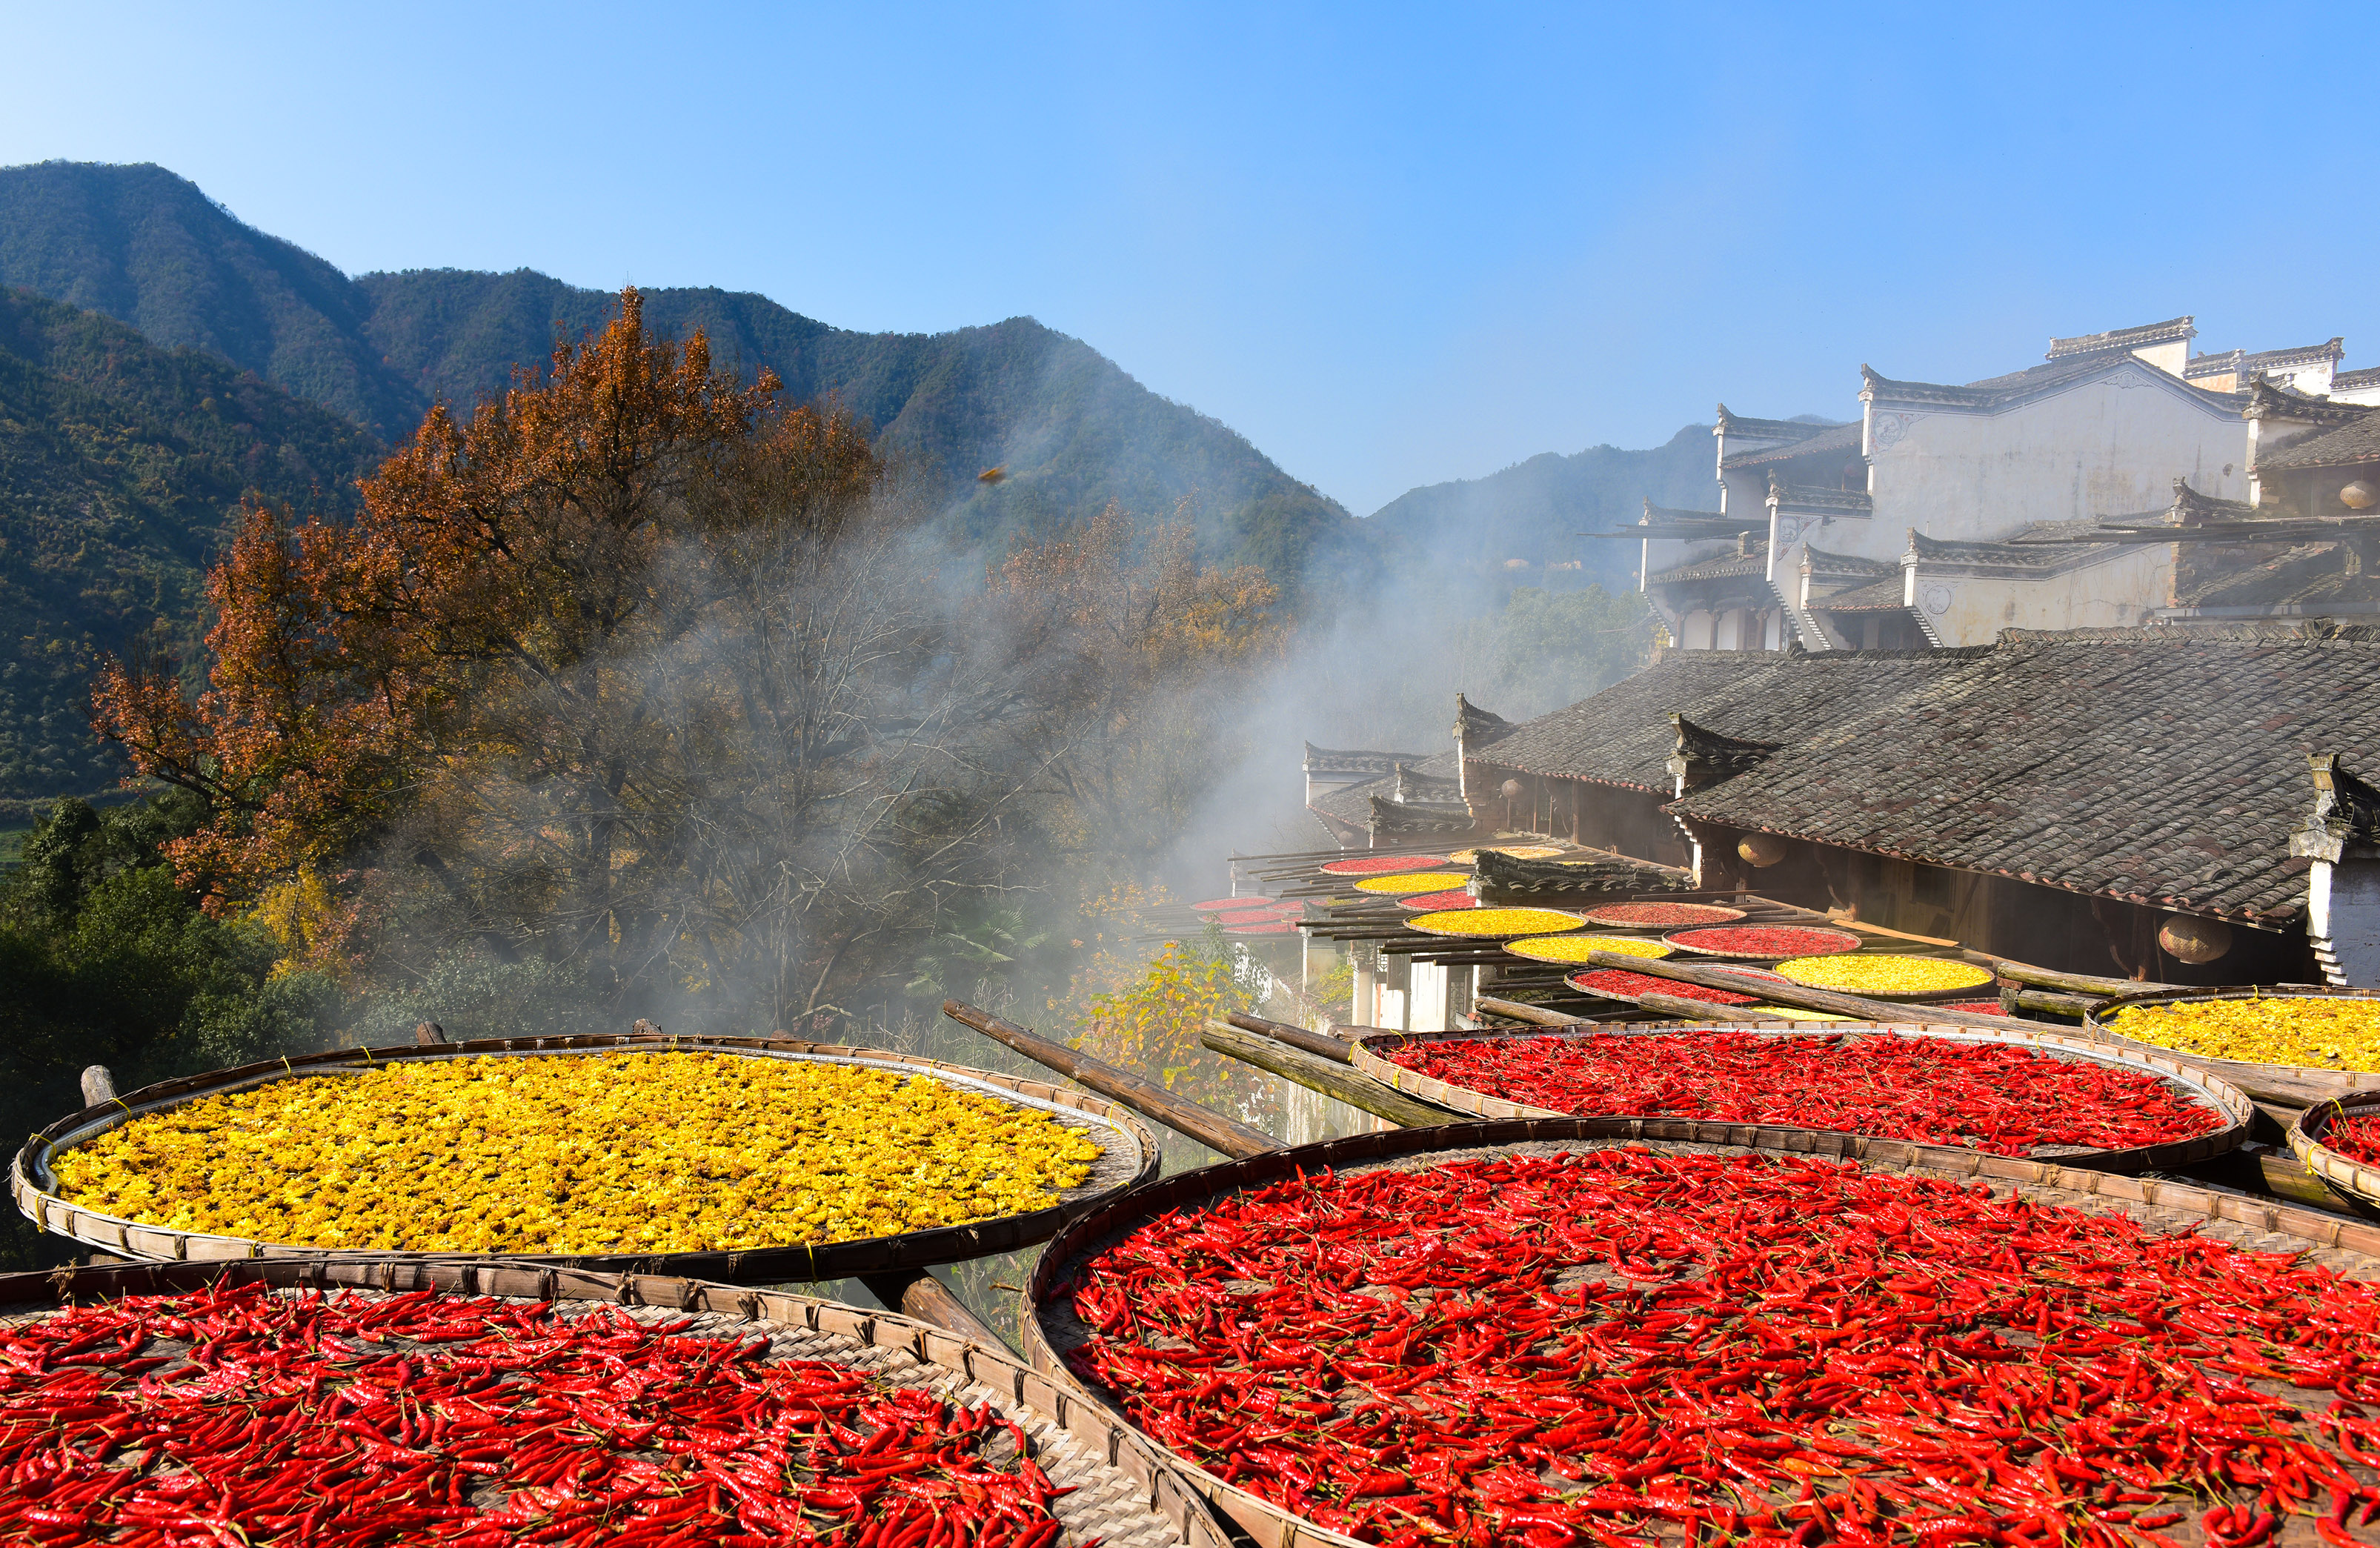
column 2109, row 446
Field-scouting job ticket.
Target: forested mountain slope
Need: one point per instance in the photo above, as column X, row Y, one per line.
column 1532, row 510
column 119, row 462
column 1071, row 429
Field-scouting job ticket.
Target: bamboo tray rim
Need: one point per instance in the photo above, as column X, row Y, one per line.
column 1273, row 1526
column 2356, row 1181
column 1677, row 930
column 34, row 1186
column 2209, row 1092
column 2346, row 1081
column 1156, row 1475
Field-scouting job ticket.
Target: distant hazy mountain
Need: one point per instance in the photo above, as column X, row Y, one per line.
column 1533, row 510
column 1071, row 430
column 118, row 464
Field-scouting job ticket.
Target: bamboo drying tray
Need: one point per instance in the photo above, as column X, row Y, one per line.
column 2218, row 1096
column 2318, row 1082
column 2345, row 1246
column 1913, row 997
column 1129, row 1156
column 1127, row 1491
column 2357, row 1182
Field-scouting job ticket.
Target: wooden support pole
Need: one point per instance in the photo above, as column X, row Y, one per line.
column 1775, row 993
column 2091, row 984
column 1702, row 1010
column 2043, row 1000
column 1515, row 1010
column 1143, row 1096
column 917, row 1293
column 1297, row 1037
column 1351, row 1086
column 429, row 1034
column 98, row 1086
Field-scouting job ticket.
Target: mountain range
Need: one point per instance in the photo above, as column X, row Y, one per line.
column 160, row 361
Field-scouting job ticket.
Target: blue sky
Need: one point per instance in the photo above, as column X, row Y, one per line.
column 1390, row 245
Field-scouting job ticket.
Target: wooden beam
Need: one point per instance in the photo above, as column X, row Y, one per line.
column 1351, row 1086
column 1516, row 1010
column 917, row 1293
column 1701, row 1010
column 2076, row 1005
column 1775, row 993
column 1143, row 1096
column 2079, row 983
column 1297, row 1037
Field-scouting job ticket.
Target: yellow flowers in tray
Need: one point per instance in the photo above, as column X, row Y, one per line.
column 1882, row 973
column 631, row 1152
column 1415, row 881
column 2315, row 1032
column 1493, row 922
column 1573, row 948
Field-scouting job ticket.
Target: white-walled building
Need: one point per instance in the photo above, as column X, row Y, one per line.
column 1945, row 513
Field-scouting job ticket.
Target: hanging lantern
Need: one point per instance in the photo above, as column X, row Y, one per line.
column 1762, row 849
column 2188, row 938
column 2356, row 496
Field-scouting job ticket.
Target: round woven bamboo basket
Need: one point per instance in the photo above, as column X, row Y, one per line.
column 1722, row 958
column 2347, row 1246
column 1916, row 998
column 1129, row 1156
column 1127, row 1491
column 2318, row 1082
column 2357, row 1182
column 2225, row 1105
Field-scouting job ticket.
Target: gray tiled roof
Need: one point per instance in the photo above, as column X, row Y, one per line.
column 1880, row 596
column 2350, row 443
column 1840, row 440
column 1817, row 561
column 1718, row 566
column 2166, row 765
column 1435, row 776
column 1622, row 736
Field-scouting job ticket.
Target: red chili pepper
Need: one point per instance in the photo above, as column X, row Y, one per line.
column 1992, row 1097
column 295, row 1418
column 1770, row 1348
column 1768, row 940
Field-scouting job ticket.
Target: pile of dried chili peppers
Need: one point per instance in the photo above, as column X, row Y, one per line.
column 1933, row 1090
column 236, row 1415
column 1772, row 941
column 1662, row 913
column 2355, row 1136
column 1619, row 1347
column 1619, row 981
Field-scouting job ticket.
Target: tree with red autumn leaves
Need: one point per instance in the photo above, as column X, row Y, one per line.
column 642, row 671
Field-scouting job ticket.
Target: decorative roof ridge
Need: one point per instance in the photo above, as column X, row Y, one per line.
column 1387, row 759
column 2363, row 376
column 1752, row 429
column 1476, row 727
column 2346, row 813
column 1994, row 392
column 2215, row 365
column 1818, row 561
column 2185, row 327
column 2301, row 631
column 2189, row 506
column 2267, row 400
column 1702, row 752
